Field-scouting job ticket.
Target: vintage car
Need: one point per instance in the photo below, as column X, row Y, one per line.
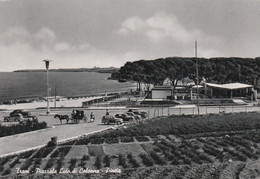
column 108, row 119
column 135, row 116
column 125, row 117
column 20, row 111
column 14, row 117
column 137, row 112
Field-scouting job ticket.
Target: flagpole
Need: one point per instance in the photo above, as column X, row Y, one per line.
column 197, row 76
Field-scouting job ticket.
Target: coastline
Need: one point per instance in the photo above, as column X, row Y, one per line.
column 61, row 101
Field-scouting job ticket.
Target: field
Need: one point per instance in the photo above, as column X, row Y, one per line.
column 213, row 146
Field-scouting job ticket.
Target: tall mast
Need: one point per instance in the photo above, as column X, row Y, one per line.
column 197, row 76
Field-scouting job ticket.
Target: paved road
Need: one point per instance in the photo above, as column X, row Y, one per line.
column 33, row 139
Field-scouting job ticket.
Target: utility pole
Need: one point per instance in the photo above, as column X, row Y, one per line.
column 47, row 62
column 197, row 76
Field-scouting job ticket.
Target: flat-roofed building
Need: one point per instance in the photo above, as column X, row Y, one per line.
column 229, row 90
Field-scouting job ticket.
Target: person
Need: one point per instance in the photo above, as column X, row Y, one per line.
column 107, row 112
column 92, row 116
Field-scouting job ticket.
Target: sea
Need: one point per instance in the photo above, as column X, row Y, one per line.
column 20, row 85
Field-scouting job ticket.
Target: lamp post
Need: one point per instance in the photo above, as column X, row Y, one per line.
column 197, row 76
column 47, row 62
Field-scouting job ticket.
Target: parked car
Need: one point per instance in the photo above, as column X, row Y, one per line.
column 107, row 119
column 30, row 120
column 20, row 111
column 136, row 116
column 125, row 117
column 143, row 114
column 14, row 117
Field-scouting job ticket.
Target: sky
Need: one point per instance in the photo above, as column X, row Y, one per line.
column 104, row 33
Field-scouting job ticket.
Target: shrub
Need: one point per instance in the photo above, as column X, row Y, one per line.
column 127, row 139
column 133, row 160
column 85, row 157
column 98, row 162
column 187, row 161
column 26, row 154
column 97, row 140
column 107, row 161
column 72, row 162
column 112, row 140
column 20, row 128
column 59, row 164
column 49, row 164
column 148, row 161
column 121, row 161
column 43, row 152
column 7, row 171
column 17, row 160
column 141, row 139
column 175, row 161
column 61, row 152
column 27, row 164
column 157, row 158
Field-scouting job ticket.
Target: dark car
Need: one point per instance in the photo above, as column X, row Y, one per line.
column 135, row 116
column 137, row 112
column 14, row 117
column 107, row 119
column 30, row 120
column 20, row 111
column 125, row 117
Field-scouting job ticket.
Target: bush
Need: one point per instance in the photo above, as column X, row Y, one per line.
column 133, row 160
column 98, row 162
column 49, row 164
column 157, row 158
column 175, row 161
column 107, row 161
column 26, row 154
column 141, row 139
column 27, row 164
column 43, row 152
column 85, row 157
column 7, row 171
column 73, row 162
column 20, row 128
column 97, row 140
column 127, row 139
column 61, row 152
column 121, row 161
column 112, row 140
column 148, row 161
column 59, row 164
column 17, row 160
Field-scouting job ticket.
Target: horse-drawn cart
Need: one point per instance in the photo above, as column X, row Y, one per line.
column 75, row 118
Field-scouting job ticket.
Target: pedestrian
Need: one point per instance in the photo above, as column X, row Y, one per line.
column 92, row 117
column 107, row 112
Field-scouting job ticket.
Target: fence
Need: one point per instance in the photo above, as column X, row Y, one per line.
column 203, row 110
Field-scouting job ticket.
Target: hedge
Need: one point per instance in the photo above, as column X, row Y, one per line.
column 20, row 128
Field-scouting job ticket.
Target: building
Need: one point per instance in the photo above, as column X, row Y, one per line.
column 162, row 92
column 230, row 90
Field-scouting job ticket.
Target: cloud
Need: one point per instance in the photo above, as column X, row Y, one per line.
column 163, row 27
column 20, row 49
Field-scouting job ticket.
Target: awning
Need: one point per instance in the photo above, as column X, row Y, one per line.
column 230, row 86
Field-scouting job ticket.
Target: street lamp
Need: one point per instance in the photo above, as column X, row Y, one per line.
column 47, row 62
column 197, row 76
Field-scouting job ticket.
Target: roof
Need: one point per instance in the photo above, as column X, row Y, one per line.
column 162, row 88
column 197, row 86
column 230, row 86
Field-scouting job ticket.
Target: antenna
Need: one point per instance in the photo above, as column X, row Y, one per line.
column 197, row 76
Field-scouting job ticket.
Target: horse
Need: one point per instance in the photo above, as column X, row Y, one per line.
column 62, row 117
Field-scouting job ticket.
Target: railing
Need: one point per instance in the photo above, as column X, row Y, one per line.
column 203, row 110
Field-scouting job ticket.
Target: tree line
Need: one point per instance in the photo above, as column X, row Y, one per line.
column 218, row 70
